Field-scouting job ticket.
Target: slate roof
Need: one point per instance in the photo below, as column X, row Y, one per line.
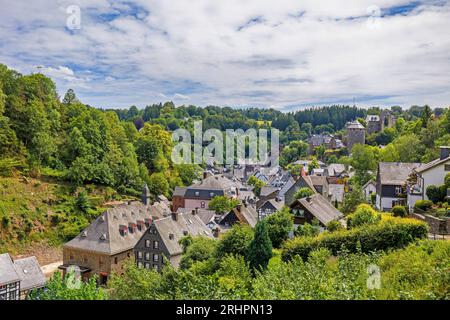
column 336, row 191
column 354, row 125
column 247, row 214
column 395, row 173
column 335, row 169
column 103, row 235
column 320, row 208
column 179, row 191
column 186, row 222
column 431, row 164
column 214, row 182
column 267, row 190
column 205, row 215
column 318, row 180
column 8, row 272
column 30, row 273
column 278, row 205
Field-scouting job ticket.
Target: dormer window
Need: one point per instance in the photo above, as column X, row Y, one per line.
column 132, row 227
column 211, row 194
column 197, row 194
column 148, row 222
column 84, row 234
column 123, row 230
column 103, row 236
column 171, row 236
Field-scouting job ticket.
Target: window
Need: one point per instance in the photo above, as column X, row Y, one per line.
column 155, row 257
column 147, row 256
column 147, row 266
column 147, row 243
column 12, row 295
column 116, row 260
column 447, row 167
column 139, row 254
column 155, row 245
column 197, row 194
column 156, row 267
column 398, row 190
column 139, row 264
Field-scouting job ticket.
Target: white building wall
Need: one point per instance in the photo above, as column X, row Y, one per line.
column 434, row 176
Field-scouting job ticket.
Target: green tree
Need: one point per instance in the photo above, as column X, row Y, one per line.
column 222, row 204
column 257, row 184
column 201, row 249
column 236, row 241
column 353, row 199
column 303, row 193
column 279, row 224
column 363, row 215
column 69, row 288
column 260, row 249
column 158, row 184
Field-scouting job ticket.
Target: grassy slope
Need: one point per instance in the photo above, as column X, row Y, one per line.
column 38, row 214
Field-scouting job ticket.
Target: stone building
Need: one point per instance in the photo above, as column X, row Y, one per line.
column 161, row 240
column 377, row 123
column 107, row 242
column 356, row 133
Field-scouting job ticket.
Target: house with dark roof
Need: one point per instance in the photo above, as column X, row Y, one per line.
column 391, row 184
column 107, row 242
column 269, row 207
column 19, row 277
column 432, row 173
column 315, row 207
column 160, row 242
column 199, row 195
column 243, row 213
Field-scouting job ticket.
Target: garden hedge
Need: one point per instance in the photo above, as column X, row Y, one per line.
column 390, row 233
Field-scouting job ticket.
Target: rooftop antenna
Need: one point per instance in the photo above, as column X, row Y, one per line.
column 39, row 69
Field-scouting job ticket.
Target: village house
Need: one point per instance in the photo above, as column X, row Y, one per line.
column 432, row 173
column 243, row 213
column 269, row 207
column 391, row 184
column 161, row 239
column 19, row 277
column 326, row 140
column 368, row 189
column 199, row 195
column 107, row 242
column 315, row 207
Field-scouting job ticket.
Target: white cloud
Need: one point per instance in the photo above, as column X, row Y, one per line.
column 234, row 52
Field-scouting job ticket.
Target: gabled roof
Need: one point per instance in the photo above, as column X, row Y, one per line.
column 247, row 214
column 335, row 169
column 214, row 182
column 318, row 180
column 267, row 190
column 395, row 173
column 30, row 273
column 320, row 208
column 171, row 231
column 8, row 272
column 431, row 165
column 336, row 191
column 370, row 182
column 103, row 235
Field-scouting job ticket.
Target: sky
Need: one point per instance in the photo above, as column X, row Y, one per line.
column 284, row 54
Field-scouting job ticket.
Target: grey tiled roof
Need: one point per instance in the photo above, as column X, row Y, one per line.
column 431, row 164
column 30, row 273
column 192, row 224
column 266, row 190
column 395, row 173
column 320, row 208
column 335, row 169
column 336, row 191
column 103, row 234
column 8, row 272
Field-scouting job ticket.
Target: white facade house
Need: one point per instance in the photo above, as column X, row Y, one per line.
column 368, row 189
column 432, row 173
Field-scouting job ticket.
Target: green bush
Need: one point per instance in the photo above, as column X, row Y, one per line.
column 364, row 214
column 436, row 194
column 399, row 211
column 423, row 205
column 390, row 233
column 334, row 225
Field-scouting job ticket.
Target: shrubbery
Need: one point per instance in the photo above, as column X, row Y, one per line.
column 390, row 233
column 399, row 211
column 363, row 215
column 423, row 205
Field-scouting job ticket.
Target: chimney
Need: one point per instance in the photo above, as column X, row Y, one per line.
column 445, row 152
column 205, row 174
column 174, row 216
column 239, row 207
column 146, row 195
column 216, row 232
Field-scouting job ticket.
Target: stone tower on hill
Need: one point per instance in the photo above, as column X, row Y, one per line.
column 356, row 133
